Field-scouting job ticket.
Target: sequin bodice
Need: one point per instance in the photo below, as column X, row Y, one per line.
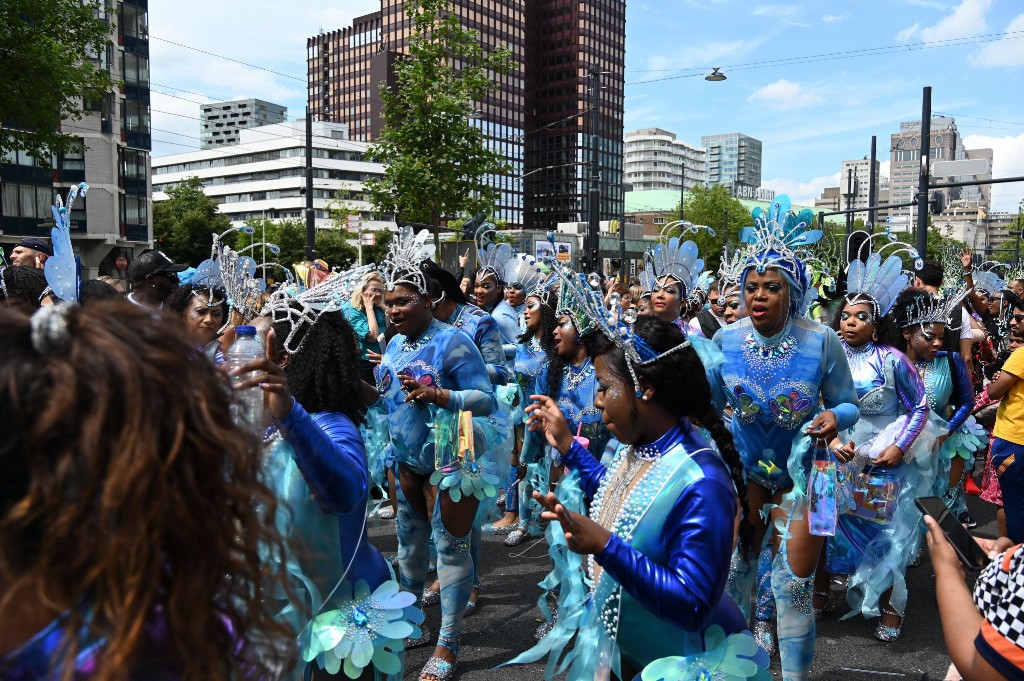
column 530, row 358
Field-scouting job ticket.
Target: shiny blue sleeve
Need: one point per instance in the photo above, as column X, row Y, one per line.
column 329, row 453
column 508, row 325
column 699, row 532
column 488, row 340
column 837, row 390
column 912, row 396
column 963, row 398
column 465, row 369
column 590, row 469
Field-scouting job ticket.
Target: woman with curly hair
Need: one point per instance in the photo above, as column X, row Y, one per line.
column 125, row 549
column 316, row 464
column 661, row 525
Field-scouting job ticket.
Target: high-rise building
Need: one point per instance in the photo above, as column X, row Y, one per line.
column 946, row 145
column 733, row 159
column 221, row 122
column 655, row 159
column 115, row 220
column 855, row 186
column 537, row 120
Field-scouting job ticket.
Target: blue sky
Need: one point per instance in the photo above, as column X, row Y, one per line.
column 812, row 108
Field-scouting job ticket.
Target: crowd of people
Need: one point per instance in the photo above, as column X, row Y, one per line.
column 704, row 454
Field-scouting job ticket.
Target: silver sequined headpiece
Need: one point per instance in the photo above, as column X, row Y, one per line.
column 577, row 295
column 406, row 254
column 495, row 258
column 929, row 309
column 302, row 309
column 730, row 270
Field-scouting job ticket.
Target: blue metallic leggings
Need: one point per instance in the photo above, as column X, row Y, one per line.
column 455, row 568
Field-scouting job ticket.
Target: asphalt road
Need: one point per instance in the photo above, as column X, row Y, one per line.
column 507, row 615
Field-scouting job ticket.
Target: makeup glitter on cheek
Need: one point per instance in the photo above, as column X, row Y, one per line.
column 192, row 314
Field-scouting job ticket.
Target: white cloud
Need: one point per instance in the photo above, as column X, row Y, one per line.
column 1007, row 161
column 784, row 95
column 802, row 193
column 1006, row 52
column 776, row 11
column 967, row 18
column 906, row 34
column 835, row 18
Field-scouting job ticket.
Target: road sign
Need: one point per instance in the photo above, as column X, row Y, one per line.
column 967, row 166
column 368, row 238
column 898, row 223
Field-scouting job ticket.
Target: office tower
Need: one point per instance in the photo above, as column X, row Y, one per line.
column 537, row 119
column 221, row 122
column 733, row 159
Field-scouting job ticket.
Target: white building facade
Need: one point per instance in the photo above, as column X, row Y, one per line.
column 264, row 175
column 656, row 159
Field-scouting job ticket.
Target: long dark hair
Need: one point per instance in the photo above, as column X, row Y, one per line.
column 324, row 374
column 682, row 367
column 119, row 444
column 892, row 334
column 548, row 322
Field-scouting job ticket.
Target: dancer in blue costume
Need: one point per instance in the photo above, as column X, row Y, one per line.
column 489, row 285
column 661, row 526
column 778, row 367
column 888, row 457
column 317, row 466
column 678, row 270
column 453, row 308
column 922, row 320
column 430, row 374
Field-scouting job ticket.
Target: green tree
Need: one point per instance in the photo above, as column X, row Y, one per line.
column 435, row 159
column 184, row 224
column 48, row 73
column 707, row 206
column 290, row 236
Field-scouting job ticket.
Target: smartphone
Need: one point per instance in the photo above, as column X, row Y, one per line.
column 970, row 553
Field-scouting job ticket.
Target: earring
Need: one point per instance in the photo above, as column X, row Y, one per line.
column 644, row 398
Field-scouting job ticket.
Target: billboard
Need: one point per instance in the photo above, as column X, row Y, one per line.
column 561, row 251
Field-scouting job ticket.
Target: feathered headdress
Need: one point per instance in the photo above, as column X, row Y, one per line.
column 527, row 274
column 492, row 257
column 779, row 240
column 648, row 280
column 730, row 270
column 680, row 260
column 577, row 297
column 988, row 280
column 406, row 254
column 880, row 281
column 303, row 309
column 64, row 270
column 928, row 309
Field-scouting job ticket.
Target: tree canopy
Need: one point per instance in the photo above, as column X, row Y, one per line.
column 436, row 160
column 47, row 73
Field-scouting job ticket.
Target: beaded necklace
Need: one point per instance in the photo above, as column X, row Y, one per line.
column 408, row 349
column 773, row 355
column 573, row 377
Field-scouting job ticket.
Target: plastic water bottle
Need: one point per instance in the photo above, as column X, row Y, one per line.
column 247, row 406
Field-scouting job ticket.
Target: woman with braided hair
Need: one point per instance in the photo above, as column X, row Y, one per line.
column 662, row 521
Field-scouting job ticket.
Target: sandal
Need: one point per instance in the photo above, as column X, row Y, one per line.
column 830, row 604
column 386, row 513
column 423, row 639
column 499, row 530
column 884, row 632
column 522, row 533
column 471, row 604
column 438, row 667
column 430, row 598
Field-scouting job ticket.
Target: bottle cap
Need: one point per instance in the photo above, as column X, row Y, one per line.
column 245, row 330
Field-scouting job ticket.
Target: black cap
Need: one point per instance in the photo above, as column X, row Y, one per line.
column 152, row 261
column 37, row 244
column 446, row 280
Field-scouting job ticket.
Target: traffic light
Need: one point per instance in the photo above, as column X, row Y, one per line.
column 937, row 203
